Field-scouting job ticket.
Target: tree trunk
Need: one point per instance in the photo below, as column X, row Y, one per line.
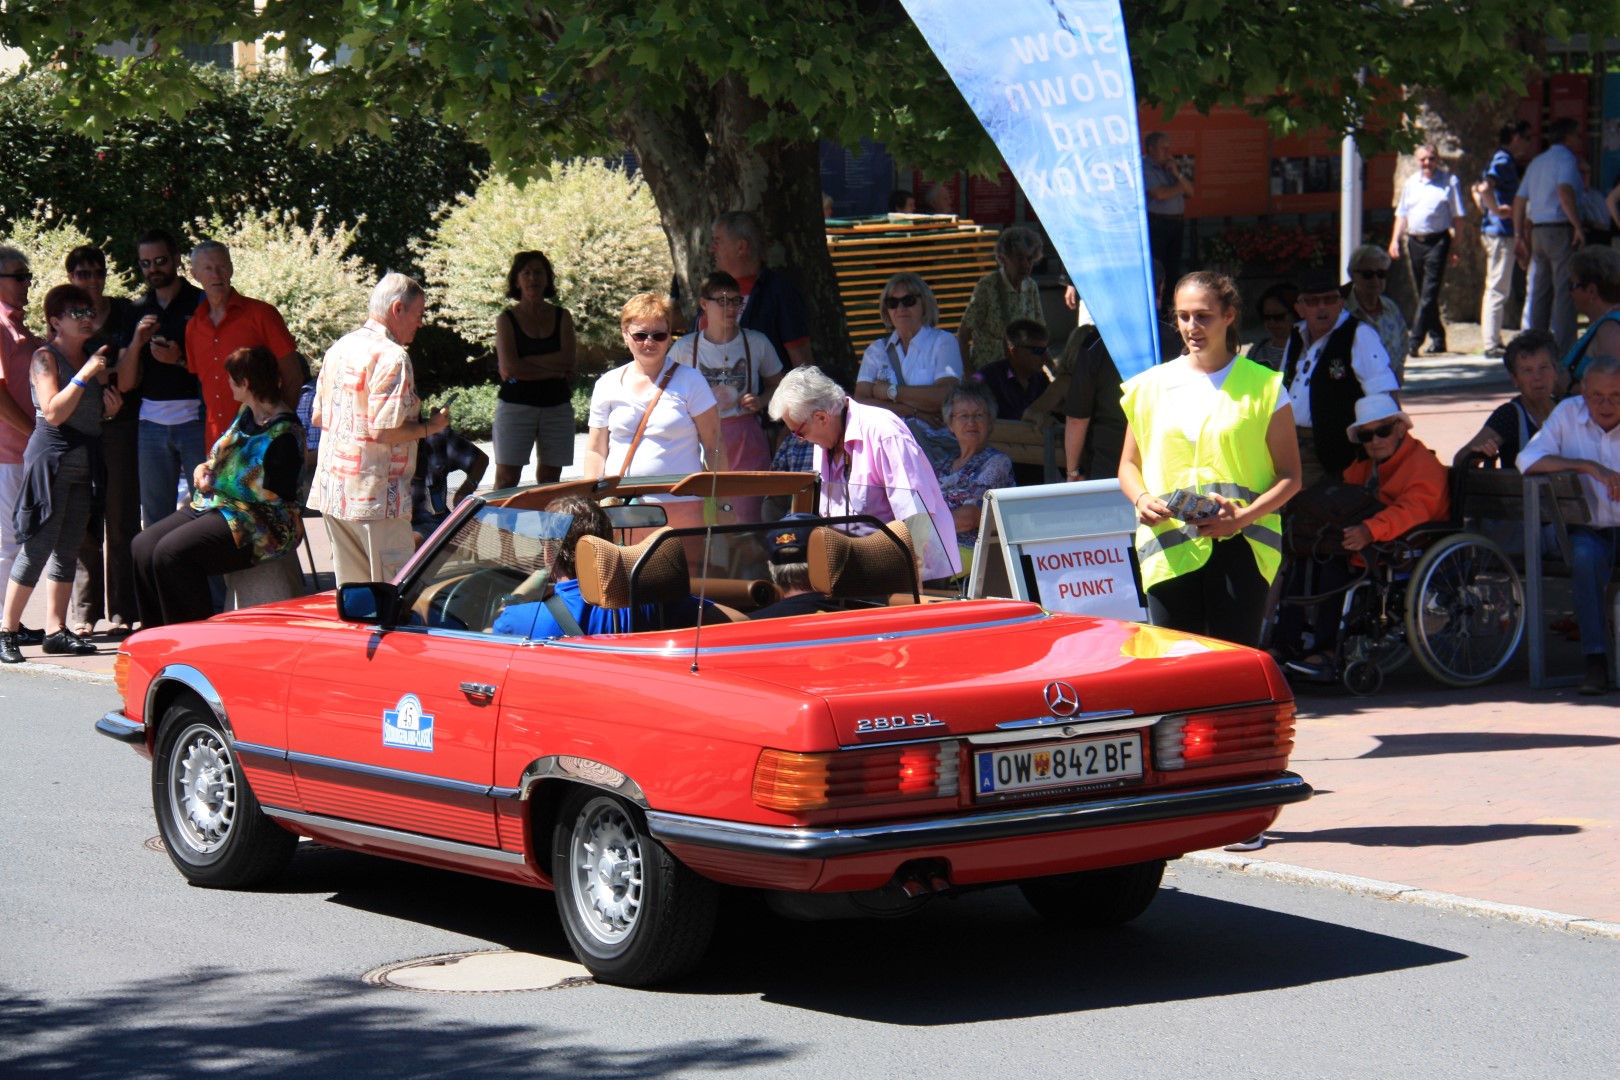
column 699, row 163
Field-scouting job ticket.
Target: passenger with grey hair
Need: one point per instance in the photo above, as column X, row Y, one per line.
column 869, row 463
column 970, row 412
column 1006, row 293
column 226, row 322
column 1369, row 276
column 371, row 421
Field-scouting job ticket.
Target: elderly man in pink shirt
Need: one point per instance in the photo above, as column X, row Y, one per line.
column 869, row 464
column 17, row 347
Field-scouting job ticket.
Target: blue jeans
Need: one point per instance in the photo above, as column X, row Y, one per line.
column 1593, row 551
column 170, row 453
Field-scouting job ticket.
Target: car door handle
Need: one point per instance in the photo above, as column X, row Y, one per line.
column 482, row 693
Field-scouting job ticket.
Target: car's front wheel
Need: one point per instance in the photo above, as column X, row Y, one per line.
column 211, row 824
column 1095, row 898
column 633, row 913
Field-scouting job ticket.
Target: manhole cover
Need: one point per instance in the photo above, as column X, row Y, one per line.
column 497, row 971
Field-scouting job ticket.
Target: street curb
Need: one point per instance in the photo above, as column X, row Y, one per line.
column 1410, row 894
column 39, row 667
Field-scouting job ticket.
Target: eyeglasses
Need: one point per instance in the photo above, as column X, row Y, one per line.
column 1274, row 316
column 798, row 432
column 645, row 335
column 1033, row 350
column 892, row 302
column 1382, row 431
column 725, row 301
column 1368, row 275
column 91, row 272
column 160, row 260
column 1324, row 300
column 81, row 313
column 971, row 417
column 21, row 276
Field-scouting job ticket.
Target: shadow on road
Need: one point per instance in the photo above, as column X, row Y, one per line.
column 1412, row 836
column 1478, row 742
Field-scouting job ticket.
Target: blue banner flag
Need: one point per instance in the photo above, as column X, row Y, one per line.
column 1050, row 80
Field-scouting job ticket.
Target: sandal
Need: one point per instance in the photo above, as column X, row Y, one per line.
column 83, row 630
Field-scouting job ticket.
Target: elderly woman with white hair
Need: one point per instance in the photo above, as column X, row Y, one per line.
column 869, row 464
column 366, row 404
column 1369, row 276
column 1006, row 293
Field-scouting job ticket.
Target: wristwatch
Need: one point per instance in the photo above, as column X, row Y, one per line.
column 894, row 392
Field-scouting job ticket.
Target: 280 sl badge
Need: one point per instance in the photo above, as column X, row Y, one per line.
column 897, row 723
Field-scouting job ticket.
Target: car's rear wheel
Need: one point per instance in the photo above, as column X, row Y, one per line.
column 211, row 824
column 1094, row 898
column 633, row 913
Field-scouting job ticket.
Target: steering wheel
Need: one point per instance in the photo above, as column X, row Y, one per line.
column 443, row 607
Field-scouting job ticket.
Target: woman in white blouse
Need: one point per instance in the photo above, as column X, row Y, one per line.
column 682, row 430
column 911, row 369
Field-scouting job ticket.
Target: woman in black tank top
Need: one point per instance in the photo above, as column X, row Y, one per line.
column 534, row 352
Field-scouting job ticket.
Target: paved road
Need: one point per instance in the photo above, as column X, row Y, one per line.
column 112, row 967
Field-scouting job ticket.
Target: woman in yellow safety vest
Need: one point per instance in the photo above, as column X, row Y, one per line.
column 1210, row 458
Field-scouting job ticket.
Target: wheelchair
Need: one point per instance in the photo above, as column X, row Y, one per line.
column 1452, row 599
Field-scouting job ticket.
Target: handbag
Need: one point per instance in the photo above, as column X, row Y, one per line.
column 1317, row 516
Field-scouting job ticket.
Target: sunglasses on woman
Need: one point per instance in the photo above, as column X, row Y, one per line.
column 892, row 302
column 644, row 335
column 1382, row 431
column 1368, row 275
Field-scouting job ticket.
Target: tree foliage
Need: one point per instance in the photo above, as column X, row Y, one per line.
column 46, row 240
column 232, row 151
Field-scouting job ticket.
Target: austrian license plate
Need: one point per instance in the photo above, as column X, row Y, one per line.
column 1028, row 771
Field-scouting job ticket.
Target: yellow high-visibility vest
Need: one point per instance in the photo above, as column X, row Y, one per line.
column 1228, row 458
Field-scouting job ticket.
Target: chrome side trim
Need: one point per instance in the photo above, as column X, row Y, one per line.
column 580, row 771
column 826, row 843
column 585, row 645
column 384, row 773
column 115, row 725
column 1064, row 729
column 1077, row 718
column 196, row 681
column 416, row 840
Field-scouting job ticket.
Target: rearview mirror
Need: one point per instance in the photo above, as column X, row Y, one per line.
column 636, row 516
column 371, row 602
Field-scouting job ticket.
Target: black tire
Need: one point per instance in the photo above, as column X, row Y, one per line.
column 1465, row 610
column 1095, row 898
column 633, row 913
column 211, row 824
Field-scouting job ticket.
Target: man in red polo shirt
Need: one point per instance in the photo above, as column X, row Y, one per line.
column 227, row 322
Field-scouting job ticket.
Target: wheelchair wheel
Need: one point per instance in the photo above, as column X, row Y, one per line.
column 1369, row 635
column 1464, row 610
column 1363, row 677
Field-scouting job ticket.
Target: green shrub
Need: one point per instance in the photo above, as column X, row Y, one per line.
column 46, row 242
column 596, row 224
column 472, row 415
column 321, row 291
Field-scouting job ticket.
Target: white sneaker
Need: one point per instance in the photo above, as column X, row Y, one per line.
column 1255, row 844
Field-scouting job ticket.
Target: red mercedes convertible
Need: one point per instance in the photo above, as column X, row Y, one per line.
column 893, row 745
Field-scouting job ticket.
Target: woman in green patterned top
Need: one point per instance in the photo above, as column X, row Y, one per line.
column 247, row 505
column 1004, row 294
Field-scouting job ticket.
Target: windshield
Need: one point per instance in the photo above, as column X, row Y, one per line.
column 538, row 574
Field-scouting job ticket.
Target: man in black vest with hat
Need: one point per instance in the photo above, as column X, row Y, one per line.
column 1333, row 358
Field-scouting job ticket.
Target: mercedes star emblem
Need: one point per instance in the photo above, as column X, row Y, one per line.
column 1061, row 700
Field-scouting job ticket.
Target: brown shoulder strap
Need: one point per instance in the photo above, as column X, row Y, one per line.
column 641, row 428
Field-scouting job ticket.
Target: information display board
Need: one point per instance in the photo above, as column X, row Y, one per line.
column 1068, row 547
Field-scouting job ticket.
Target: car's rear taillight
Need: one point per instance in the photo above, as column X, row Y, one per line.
column 121, row 675
column 792, row 782
column 1224, row 736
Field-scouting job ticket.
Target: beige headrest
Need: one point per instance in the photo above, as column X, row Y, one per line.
column 603, row 569
column 872, row 565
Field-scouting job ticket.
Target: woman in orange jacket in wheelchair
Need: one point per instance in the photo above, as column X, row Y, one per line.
column 1408, row 479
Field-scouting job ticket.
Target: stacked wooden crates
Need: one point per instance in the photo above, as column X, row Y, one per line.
column 949, row 253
